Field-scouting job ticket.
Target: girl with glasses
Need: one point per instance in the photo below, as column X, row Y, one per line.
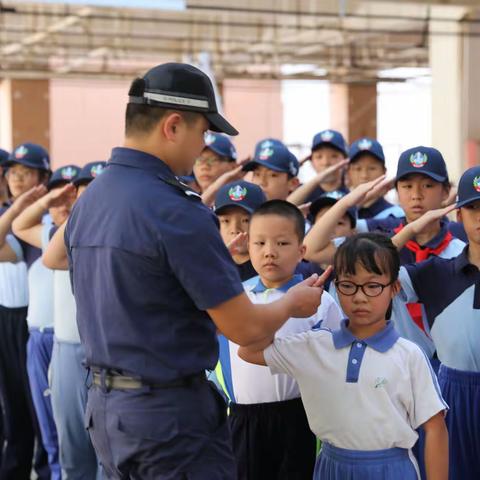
column 365, row 389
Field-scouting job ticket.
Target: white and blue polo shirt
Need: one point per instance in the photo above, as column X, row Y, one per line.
column 449, row 290
column 250, row 384
column 369, row 394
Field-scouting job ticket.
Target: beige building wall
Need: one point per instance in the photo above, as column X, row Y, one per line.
column 86, row 119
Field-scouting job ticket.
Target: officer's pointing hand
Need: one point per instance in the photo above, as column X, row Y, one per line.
column 305, row 297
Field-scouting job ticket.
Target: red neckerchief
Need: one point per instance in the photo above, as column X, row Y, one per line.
column 421, row 254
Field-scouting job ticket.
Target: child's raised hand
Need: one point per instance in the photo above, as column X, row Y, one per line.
column 28, row 197
column 59, row 196
column 429, row 217
column 239, row 241
column 321, row 176
column 360, row 194
column 320, row 282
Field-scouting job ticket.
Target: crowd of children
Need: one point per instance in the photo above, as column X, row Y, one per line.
column 350, row 392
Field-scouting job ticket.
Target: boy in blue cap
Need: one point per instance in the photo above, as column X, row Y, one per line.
column 329, row 157
column 270, row 432
column 448, row 289
column 218, row 156
column 367, row 162
column 274, row 168
column 28, row 169
column 30, row 228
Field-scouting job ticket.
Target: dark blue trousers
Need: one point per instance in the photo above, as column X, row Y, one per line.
column 39, row 355
column 176, row 433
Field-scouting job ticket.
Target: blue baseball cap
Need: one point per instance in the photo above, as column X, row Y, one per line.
column 273, row 154
column 241, row 194
column 3, row 157
column 469, row 187
column 30, row 155
column 425, row 160
column 366, row 145
column 329, row 199
column 330, row 138
column 63, row 175
column 89, row 172
column 221, row 145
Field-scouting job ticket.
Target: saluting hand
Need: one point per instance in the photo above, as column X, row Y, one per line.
column 59, row 196
column 306, row 296
column 239, row 242
column 429, row 217
column 28, row 197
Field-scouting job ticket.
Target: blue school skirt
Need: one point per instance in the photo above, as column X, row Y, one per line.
column 461, row 391
column 340, row 464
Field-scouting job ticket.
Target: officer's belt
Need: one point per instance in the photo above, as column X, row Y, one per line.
column 116, row 381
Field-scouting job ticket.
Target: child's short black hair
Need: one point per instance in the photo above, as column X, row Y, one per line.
column 374, row 251
column 447, row 184
column 285, row 209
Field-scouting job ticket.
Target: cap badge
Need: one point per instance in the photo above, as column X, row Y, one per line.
column 96, row 170
column 365, row 144
column 237, row 193
column 265, row 152
column 476, row 184
column 68, row 173
column 233, row 153
column 327, row 135
column 21, row 151
column 418, row 159
column 209, row 138
column 45, row 163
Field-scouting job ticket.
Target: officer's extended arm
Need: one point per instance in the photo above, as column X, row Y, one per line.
column 246, row 323
column 55, row 256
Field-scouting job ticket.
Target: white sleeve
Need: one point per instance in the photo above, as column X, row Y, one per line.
column 407, row 293
column 14, row 244
column 338, row 241
column 362, row 226
column 427, row 399
column 330, row 312
column 284, row 354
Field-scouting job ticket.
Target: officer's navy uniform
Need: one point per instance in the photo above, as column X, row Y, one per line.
column 147, row 262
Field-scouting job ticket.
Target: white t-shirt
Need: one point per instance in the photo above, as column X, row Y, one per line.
column 64, row 308
column 250, row 383
column 13, row 278
column 360, row 395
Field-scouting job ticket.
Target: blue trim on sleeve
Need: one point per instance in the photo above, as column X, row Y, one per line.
column 224, row 357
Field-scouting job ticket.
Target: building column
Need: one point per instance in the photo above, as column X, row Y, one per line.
column 24, row 112
column 353, row 110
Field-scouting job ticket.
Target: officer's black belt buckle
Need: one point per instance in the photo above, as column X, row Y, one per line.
column 109, row 380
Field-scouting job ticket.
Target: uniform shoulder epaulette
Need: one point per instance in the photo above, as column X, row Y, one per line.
column 183, row 187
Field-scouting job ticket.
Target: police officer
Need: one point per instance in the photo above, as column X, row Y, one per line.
column 149, row 274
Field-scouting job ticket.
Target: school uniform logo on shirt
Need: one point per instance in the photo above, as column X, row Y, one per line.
column 380, row 382
column 21, row 151
column 418, row 159
column 96, row 170
column 476, row 184
column 365, row 144
column 209, row 139
column 68, row 173
column 237, row 193
column 326, row 136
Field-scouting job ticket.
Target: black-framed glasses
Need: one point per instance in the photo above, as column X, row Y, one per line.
column 370, row 289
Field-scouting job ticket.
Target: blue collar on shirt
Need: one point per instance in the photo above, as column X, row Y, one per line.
column 130, row 157
column 260, row 287
column 381, row 341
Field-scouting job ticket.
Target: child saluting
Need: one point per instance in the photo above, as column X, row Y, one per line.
column 365, row 389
